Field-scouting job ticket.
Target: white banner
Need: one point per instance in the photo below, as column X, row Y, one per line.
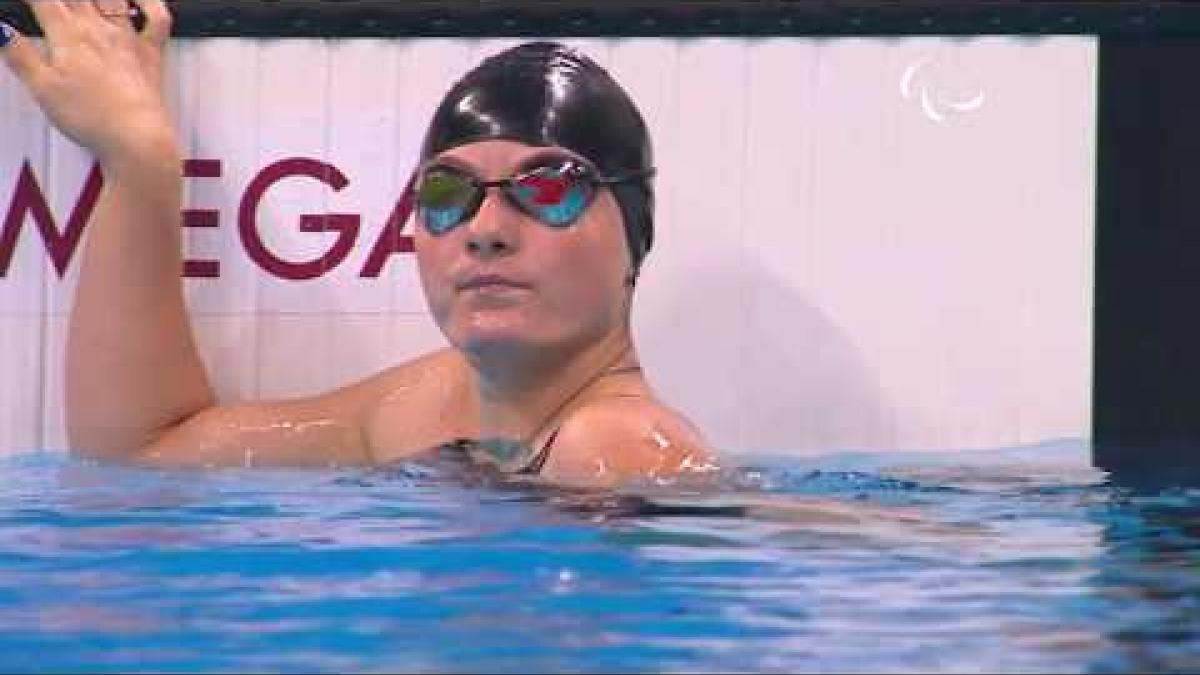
column 862, row 243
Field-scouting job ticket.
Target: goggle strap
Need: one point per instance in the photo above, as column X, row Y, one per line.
column 640, row 174
column 601, row 180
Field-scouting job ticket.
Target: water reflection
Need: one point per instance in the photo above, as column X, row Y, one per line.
column 1020, row 560
column 1147, row 582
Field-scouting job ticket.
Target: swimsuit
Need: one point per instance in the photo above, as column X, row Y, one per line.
column 469, row 449
column 500, row 452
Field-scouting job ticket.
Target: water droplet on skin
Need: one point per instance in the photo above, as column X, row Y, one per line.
column 601, row 467
column 660, row 439
column 690, row 465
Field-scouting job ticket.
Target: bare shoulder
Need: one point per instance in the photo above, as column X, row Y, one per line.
column 419, row 404
column 434, row 369
column 611, row 440
column 339, row 426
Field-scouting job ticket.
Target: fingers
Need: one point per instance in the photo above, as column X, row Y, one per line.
column 115, row 12
column 53, row 16
column 63, row 23
column 83, row 9
column 22, row 56
column 57, row 17
column 158, row 21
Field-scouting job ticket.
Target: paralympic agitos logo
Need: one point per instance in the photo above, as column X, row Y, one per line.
column 28, row 205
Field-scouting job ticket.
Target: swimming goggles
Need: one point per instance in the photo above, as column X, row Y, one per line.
column 554, row 190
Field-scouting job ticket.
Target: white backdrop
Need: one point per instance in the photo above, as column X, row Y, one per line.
column 862, row 243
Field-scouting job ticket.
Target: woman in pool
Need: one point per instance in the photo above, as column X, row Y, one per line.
column 535, row 212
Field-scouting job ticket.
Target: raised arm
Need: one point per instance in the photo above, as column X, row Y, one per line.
column 136, row 387
column 132, row 368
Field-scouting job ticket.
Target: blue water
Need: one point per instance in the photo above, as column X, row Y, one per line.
column 1011, row 560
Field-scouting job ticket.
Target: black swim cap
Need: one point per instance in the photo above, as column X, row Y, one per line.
column 543, row 93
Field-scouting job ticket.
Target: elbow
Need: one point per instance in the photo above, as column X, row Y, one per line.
column 104, row 443
column 115, row 440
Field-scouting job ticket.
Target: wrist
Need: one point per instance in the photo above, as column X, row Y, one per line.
column 157, row 153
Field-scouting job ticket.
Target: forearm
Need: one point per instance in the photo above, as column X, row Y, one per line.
column 132, row 367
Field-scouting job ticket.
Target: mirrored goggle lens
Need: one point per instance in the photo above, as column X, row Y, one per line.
column 444, row 199
column 555, row 195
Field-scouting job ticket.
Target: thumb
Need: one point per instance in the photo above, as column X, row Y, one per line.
column 22, row 57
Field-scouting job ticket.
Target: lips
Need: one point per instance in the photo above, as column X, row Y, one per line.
column 489, row 281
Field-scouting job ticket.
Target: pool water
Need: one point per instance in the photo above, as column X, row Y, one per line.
column 1020, row 559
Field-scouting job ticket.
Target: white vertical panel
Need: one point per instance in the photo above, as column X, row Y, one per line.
column 226, row 343
column 51, row 423
column 648, row 68
column 66, row 170
column 291, row 113
column 21, row 388
column 23, row 139
column 363, row 141
column 365, row 344
column 63, row 179
column 216, row 123
column 1056, row 319
column 808, row 382
column 700, row 275
column 22, row 289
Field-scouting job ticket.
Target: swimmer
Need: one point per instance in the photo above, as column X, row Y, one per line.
column 535, row 214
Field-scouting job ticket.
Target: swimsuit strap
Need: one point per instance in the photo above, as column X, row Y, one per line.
column 462, row 447
column 625, row 369
column 459, row 448
column 538, row 461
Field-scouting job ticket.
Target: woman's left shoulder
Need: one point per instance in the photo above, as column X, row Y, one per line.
column 617, row 438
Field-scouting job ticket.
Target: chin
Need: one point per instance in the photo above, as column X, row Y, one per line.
column 482, row 334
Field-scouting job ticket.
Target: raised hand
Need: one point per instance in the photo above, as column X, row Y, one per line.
column 97, row 79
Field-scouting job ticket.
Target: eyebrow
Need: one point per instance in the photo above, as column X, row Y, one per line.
column 451, row 162
column 544, row 154
column 537, row 157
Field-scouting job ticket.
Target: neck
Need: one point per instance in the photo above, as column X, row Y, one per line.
column 523, row 389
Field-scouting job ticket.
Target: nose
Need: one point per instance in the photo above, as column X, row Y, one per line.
column 494, row 231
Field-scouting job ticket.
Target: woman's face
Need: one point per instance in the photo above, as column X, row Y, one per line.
column 504, row 279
